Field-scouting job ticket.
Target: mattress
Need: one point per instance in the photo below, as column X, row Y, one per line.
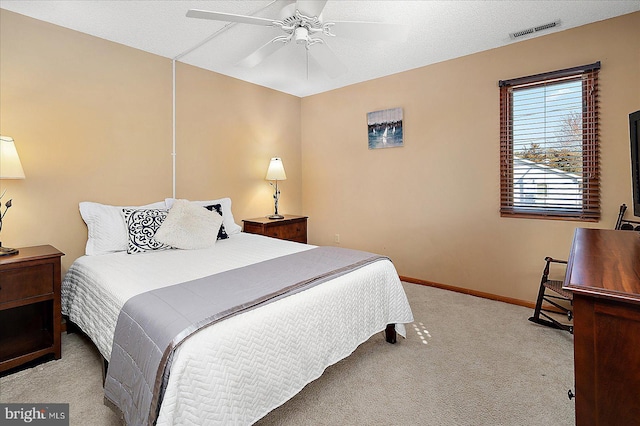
column 238, row 370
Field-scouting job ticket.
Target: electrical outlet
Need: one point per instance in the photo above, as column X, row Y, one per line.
column 336, row 239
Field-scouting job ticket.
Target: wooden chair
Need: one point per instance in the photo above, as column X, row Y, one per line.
column 560, row 299
column 626, row 224
column 557, row 297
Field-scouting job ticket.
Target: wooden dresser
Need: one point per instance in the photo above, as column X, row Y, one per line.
column 293, row 228
column 604, row 275
column 30, row 315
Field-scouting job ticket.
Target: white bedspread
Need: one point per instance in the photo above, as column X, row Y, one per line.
column 238, row 370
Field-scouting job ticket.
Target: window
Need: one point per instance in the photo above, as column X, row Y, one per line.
column 549, row 155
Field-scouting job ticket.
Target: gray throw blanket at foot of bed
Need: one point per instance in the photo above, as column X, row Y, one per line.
column 151, row 325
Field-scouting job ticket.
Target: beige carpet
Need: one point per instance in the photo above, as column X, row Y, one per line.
column 466, row 361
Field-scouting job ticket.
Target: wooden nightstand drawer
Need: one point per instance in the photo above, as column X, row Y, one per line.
column 292, row 228
column 293, row 232
column 24, row 283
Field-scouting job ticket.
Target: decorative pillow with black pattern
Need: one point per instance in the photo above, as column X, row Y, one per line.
column 222, row 233
column 142, row 225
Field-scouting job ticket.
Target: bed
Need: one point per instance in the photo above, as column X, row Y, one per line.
column 239, row 369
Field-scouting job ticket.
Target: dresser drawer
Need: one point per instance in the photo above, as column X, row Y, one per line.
column 23, row 283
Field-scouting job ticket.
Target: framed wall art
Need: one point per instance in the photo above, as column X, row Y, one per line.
column 385, row 128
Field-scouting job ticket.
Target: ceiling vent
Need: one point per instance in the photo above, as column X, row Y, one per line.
column 534, row 30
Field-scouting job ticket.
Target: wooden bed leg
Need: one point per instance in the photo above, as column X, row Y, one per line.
column 390, row 333
column 71, row 326
column 105, row 366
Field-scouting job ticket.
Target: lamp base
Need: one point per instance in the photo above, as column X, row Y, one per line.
column 7, row 251
column 275, row 216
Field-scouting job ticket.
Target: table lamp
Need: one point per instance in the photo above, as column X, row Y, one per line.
column 276, row 173
column 10, row 168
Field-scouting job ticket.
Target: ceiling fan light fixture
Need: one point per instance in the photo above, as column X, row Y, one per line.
column 301, row 35
column 301, row 20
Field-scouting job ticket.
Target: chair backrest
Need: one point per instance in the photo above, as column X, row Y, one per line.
column 626, row 224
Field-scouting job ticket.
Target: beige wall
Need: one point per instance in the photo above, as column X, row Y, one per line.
column 227, row 131
column 92, row 121
column 432, row 205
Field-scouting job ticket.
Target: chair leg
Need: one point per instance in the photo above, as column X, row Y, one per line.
column 551, row 323
column 547, row 320
column 536, row 311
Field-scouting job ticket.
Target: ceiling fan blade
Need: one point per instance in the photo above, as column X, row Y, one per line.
column 327, row 59
column 370, row 30
column 261, row 54
column 228, row 17
column 311, row 7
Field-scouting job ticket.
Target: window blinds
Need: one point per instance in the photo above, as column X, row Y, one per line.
column 549, row 155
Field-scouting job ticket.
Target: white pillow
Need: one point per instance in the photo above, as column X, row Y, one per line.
column 227, row 216
column 107, row 232
column 188, row 226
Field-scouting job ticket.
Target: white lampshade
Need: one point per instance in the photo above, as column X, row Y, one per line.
column 276, row 170
column 10, row 166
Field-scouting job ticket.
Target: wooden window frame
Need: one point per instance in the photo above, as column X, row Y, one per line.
column 589, row 210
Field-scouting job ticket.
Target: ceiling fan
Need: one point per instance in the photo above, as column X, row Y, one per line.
column 302, row 22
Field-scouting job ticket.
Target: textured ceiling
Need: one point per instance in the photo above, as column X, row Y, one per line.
column 438, row 31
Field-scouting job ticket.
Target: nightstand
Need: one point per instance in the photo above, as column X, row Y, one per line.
column 292, row 228
column 30, row 314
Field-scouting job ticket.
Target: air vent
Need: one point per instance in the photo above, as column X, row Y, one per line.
column 533, row 30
